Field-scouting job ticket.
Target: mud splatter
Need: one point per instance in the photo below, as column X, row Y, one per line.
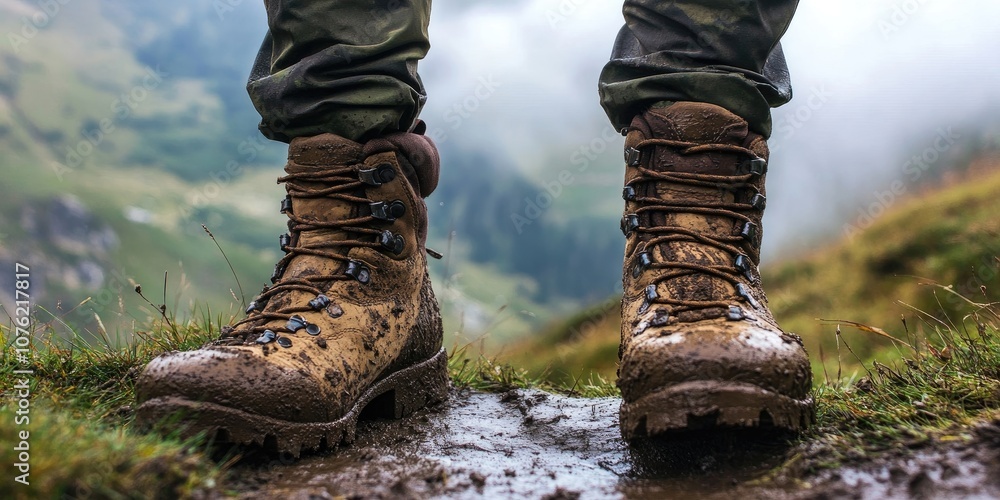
column 530, row 444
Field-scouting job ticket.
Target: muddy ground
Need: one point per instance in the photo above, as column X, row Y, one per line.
column 530, row 444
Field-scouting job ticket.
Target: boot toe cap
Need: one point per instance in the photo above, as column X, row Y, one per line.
column 720, row 351
column 237, row 378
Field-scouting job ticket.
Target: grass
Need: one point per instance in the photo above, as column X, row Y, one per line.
column 82, row 441
column 950, row 236
column 944, row 384
column 941, row 380
column 873, row 277
column 72, row 457
column 486, row 374
column 564, row 351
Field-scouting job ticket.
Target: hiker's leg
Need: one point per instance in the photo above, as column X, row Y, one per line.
column 693, row 82
column 347, row 67
column 350, row 317
column 723, row 52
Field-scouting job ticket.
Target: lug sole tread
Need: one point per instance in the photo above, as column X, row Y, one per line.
column 701, row 405
column 412, row 388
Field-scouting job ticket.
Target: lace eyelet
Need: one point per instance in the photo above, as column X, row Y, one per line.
column 629, row 224
column 284, row 241
column 392, row 242
column 749, row 232
column 358, row 271
column 319, row 302
column 661, row 317
column 755, row 167
column 377, row 176
column 279, row 269
column 744, row 265
column 651, row 295
column 286, row 205
column 643, row 261
column 296, row 323
column 735, row 313
column 628, row 193
column 633, row 157
column 388, row 212
column 266, row 338
column 742, row 291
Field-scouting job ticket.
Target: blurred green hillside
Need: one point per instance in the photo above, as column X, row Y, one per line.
column 912, row 264
column 124, row 127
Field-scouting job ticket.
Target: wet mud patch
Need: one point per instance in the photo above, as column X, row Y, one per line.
column 520, row 443
column 531, row 444
column 962, row 464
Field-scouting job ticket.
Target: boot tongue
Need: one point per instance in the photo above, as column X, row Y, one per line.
column 315, row 154
column 695, row 123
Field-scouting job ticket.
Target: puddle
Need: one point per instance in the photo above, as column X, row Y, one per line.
column 530, row 444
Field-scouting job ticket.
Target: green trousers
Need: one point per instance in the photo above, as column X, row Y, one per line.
column 350, row 67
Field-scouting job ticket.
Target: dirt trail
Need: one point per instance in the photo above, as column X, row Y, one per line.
column 530, row 444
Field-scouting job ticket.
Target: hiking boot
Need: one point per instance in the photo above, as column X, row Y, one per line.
column 349, row 325
column 699, row 347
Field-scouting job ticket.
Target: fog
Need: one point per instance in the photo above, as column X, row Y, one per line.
column 875, row 82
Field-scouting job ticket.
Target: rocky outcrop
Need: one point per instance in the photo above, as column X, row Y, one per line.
column 67, row 247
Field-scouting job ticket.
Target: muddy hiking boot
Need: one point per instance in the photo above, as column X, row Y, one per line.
column 699, row 348
column 349, row 326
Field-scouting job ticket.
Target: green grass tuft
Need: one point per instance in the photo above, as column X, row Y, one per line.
column 939, row 390
column 81, row 415
column 81, row 442
column 72, row 457
column 486, row 374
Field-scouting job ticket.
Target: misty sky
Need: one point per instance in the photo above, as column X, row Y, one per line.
column 875, row 81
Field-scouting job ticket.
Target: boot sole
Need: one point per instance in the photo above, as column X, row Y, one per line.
column 701, row 405
column 395, row 396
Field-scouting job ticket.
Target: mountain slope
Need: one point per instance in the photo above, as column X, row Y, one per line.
column 950, row 235
column 134, row 114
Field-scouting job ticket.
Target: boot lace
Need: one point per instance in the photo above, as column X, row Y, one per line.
column 345, row 183
column 742, row 244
